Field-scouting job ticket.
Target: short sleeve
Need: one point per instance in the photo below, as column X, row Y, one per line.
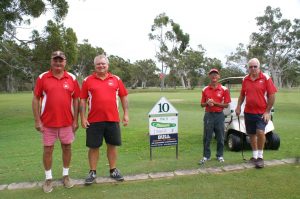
column 84, row 90
column 38, row 90
column 271, row 89
column 122, row 90
column 227, row 98
column 76, row 89
column 203, row 98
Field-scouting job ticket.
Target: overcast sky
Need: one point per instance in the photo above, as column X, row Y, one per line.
column 121, row 27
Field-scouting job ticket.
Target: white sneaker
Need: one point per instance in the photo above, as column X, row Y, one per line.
column 220, row 159
column 203, row 160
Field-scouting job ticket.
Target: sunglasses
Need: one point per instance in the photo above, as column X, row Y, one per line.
column 253, row 66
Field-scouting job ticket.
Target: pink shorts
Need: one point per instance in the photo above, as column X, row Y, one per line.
column 64, row 134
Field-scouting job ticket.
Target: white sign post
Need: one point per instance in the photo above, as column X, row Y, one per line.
column 163, row 125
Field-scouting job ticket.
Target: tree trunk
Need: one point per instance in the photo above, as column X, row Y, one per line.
column 189, row 83
column 276, row 76
column 134, row 84
column 182, row 81
column 280, row 82
column 32, row 82
column 10, row 83
column 289, row 83
column 144, row 84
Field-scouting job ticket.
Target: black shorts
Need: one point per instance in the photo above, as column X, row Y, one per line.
column 253, row 122
column 109, row 130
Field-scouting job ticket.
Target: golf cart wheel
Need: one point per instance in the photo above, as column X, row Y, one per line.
column 234, row 142
column 272, row 141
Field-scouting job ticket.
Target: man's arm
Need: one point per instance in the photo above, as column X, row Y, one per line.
column 75, row 109
column 124, row 102
column 239, row 104
column 222, row 105
column 270, row 102
column 82, row 110
column 36, row 113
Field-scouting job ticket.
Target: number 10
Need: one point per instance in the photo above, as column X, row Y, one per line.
column 164, row 107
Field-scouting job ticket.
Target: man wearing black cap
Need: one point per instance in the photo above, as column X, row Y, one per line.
column 215, row 98
column 55, row 109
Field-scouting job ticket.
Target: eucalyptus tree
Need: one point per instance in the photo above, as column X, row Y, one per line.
column 209, row 64
column 143, row 71
column 171, row 41
column 277, row 43
column 16, row 55
column 55, row 36
column 85, row 61
column 239, row 58
column 232, row 71
column 18, row 13
column 191, row 63
column 15, row 61
column 121, row 68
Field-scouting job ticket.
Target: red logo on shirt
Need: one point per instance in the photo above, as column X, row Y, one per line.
column 66, row 85
column 219, row 94
column 110, row 83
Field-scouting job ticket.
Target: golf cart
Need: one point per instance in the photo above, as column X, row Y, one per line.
column 235, row 136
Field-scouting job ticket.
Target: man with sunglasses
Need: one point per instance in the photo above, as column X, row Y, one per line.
column 259, row 91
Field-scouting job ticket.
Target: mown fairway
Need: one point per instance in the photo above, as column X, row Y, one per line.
column 21, row 149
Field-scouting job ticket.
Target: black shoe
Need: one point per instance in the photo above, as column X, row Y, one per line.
column 90, row 179
column 259, row 163
column 116, row 175
column 253, row 161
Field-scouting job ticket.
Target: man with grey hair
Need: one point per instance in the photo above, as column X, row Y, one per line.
column 259, row 91
column 101, row 90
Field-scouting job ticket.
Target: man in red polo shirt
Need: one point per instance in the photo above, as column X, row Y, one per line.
column 55, row 109
column 259, row 91
column 215, row 98
column 101, row 90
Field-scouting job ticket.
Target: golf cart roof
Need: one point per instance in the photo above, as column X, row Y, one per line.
column 231, row 80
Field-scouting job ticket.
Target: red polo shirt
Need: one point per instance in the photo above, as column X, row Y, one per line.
column 256, row 92
column 102, row 97
column 57, row 98
column 220, row 94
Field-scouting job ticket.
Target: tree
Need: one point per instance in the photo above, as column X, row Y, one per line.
column 232, row 71
column 239, row 58
column 85, row 61
column 17, row 60
column 121, row 68
column 277, row 44
column 14, row 66
column 15, row 13
column 190, row 65
column 209, row 64
column 171, row 41
column 143, row 71
column 55, row 37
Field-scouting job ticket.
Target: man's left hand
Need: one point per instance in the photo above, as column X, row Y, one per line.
column 266, row 116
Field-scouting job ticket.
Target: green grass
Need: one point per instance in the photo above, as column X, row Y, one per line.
column 21, row 148
column 280, row 182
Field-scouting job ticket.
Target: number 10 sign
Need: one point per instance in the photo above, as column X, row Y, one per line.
column 163, row 125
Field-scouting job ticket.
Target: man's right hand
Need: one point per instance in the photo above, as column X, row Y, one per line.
column 84, row 123
column 210, row 102
column 39, row 126
column 238, row 110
